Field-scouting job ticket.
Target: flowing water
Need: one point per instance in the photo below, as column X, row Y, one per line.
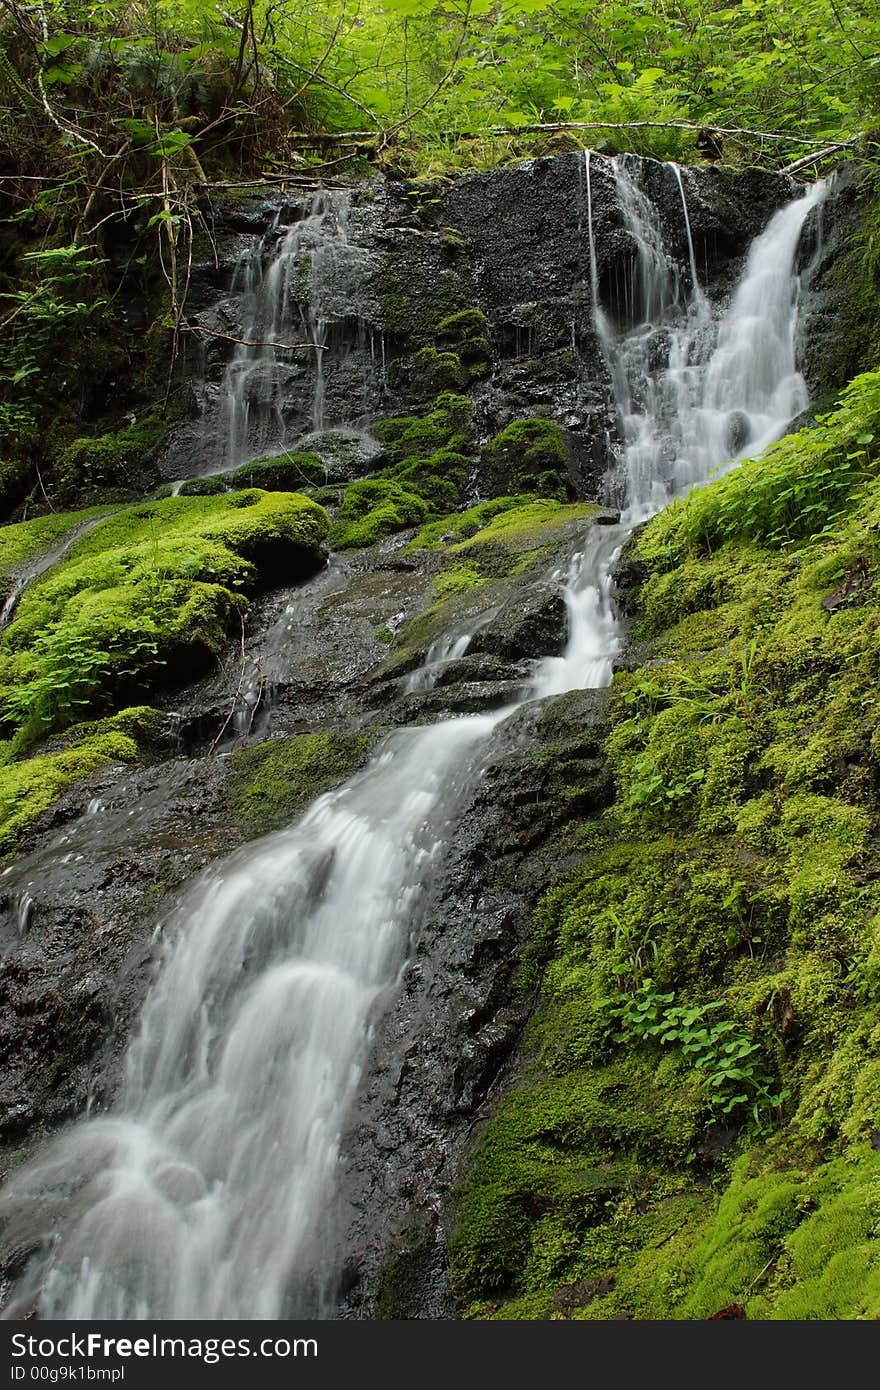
column 299, row 284
column 200, row 1195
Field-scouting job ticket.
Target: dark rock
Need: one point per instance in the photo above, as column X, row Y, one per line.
column 533, row 625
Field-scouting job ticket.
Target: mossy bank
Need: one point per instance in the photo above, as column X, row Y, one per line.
column 695, row 1123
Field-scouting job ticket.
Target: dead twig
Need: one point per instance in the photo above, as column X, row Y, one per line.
column 250, row 343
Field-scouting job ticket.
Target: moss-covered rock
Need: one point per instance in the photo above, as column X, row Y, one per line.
column 447, row 425
column 529, row 456
column 274, row 781
column 29, row 786
column 425, row 473
column 435, row 371
column 145, row 599
column 467, row 332
column 210, row 486
column 289, row 473
column 375, row 508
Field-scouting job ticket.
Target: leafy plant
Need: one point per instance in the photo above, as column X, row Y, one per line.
column 732, row 1067
column 44, row 313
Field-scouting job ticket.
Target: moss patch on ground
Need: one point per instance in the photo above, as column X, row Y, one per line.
column 422, row 473
column 274, row 781
column 25, row 540
column 706, row 1039
column 480, row 549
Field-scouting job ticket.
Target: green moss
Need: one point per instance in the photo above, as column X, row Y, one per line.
column 29, row 787
column 438, row 371
column 286, row 474
column 441, row 479
column 25, row 540
column 274, row 781
column 447, row 425
column 467, row 332
column 437, row 535
column 529, row 456
column 461, row 579
column 114, row 464
column 146, row 597
column 375, row 508
column 211, row 486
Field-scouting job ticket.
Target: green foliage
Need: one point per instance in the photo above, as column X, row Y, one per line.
column 798, row 488
column 43, row 315
column 737, row 864
column 273, row 782
column 91, row 468
column 730, row 1064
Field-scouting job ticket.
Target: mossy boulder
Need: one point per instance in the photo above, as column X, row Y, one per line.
column 374, row 508
column 434, row 371
column 447, row 425
column 467, row 333
column 29, row 786
column 288, row 473
column 211, row 486
column 441, row 479
column 529, row 456
column 145, row 599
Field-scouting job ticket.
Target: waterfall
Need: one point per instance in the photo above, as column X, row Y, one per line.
column 200, row 1195
column 294, row 286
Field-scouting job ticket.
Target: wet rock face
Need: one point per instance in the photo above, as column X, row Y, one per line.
column 835, row 326
column 512, row 245
column 442, row 1047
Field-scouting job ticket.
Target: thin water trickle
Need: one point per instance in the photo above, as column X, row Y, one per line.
column 200, row 1195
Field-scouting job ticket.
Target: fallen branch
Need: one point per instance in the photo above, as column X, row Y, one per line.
column 550, row 127
column 806, row 160
column 248, row 343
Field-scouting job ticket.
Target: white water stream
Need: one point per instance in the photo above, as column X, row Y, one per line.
column 201, row 1194
column 294, row 285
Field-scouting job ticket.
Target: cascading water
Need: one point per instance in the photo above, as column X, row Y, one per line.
column 439, row 655
column 297, row 284
column 201, row 1194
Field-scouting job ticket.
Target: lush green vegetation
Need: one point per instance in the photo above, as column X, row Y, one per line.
column 29, row 786
column 119, row 120
column 696, row 1123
